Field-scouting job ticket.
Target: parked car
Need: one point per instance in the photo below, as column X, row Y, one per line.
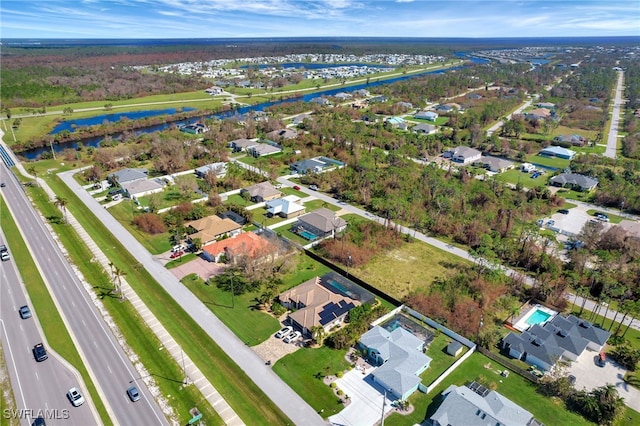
column 133, row 394
column 296, row 187
column 601, row 216
column 563, row 211
column 313, row 187
column 292, row 337
column 39, row 352
column 284, row 331
column 176, row 254
column 601, row 359
column 25, row 312
column 551, row 222
column 75, row 397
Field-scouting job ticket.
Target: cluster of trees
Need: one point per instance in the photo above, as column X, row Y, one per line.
column 358, row 321
column 631, row 142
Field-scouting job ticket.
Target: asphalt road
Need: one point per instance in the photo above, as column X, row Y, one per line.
column 106, row 361
column 39, row 387
column 612, row 138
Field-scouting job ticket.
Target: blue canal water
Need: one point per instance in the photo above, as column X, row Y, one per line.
column 71, row 125
column 33, row 154
column 313, row 65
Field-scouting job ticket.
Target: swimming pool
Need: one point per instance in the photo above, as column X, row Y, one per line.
column 308, row 235
column 538, row 317
column 538, row 314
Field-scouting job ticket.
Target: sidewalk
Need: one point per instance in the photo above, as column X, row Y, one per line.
column 193, row 374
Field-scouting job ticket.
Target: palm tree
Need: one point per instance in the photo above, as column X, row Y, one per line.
column 318, row 334
column 61, row 203
column 634, row 310
column 117, row 275
column 33, row 172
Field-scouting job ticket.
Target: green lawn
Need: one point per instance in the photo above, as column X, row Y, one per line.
column 260, row 216
column 316, row 204
column 54, row 329
column 171, row 197
column 554, row 162
column 124, row 213
column 514, row 387
column 187, row 257
column 238, row 200
column 411, row 267
column 516, row 176
column 219, row 368
column 440, row 359
column 290, row 191
column 304, row 370
column 613, row 218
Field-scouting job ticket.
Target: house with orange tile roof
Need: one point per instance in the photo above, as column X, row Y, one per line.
column 245, row 245
column 211, row 228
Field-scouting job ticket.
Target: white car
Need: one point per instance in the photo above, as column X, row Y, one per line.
column 284, row 331
column 292, row 337
column 75, row 397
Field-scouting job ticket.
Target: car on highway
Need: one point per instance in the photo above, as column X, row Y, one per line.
column 2, row 185
column 25, row 312
column 75, row 397
column 39, row 352
column 133, row 394
column 292, row 337
column 284, row 331
column 39, row 421
column 296, row 187
column 4, row 252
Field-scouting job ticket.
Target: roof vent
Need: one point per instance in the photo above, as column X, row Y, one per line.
column 562, row 333
column 585, row 324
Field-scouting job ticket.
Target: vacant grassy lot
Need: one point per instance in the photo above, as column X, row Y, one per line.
column 412, row 267
column 124, row 213
column 554, row 162
column 316, row 204
column 304, row 370
column 237, row 199
column 525, row 179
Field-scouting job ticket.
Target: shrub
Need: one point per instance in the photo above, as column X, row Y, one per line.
column 340, row 392
column 339, row 374
column 278, row 309
column 333, row 385
column 150, row 223
column 626, row 356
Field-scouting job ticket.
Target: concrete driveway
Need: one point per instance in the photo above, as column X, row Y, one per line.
column 589, row 376
column 199, row 266
column 574, row 221
column 366, row 396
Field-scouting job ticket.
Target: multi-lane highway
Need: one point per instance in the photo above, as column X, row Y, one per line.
column 106, row 361
column 39, row 387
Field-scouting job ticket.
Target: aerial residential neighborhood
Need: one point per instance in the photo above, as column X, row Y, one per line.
column 293, row 228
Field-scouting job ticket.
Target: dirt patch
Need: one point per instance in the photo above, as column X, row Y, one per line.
column 199, row 266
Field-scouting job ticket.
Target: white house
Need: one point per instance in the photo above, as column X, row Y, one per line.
column 463, row 154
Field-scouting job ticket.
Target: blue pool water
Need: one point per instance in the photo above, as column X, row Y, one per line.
column 538, row 317
column 307, row 235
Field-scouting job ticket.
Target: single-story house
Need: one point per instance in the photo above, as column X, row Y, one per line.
column 128, row 175
column 211, row 228
column 242, row 144
column 463, row 154
column 405, row 105
column 426, row 115
column 538, row 114
column 194, row 128
column 575, row 140
column 282, row 134
column 263, row 149
column 314, row 165
column 362, row 93
column 443, row 108
column 574, row 180
column 285, row 207
column 140, row 188
column 321, row 223
column 397, row 122
column 474, row 96
column 400, row 357
column 233, row 216
column 214, row 90
column 342, row 96
column 495, row 164
column 561, row 338
column 324, row 302
column 547, row 105
column 557, row 151
column 299, row 119
column 454, row 348
column 320, row 101
column 261, row 192
column 475, row 405
column 234, row 249
column 219, row 169
column 425, row 129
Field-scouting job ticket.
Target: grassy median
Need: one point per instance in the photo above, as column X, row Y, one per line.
column 54, row 329
column 247, row 399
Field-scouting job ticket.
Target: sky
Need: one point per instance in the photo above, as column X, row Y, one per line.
column 316, row 18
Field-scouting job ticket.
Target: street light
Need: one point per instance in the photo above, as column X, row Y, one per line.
column 384, row 402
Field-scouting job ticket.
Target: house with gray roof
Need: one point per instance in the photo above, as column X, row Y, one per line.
column 261, row 192
column 574, row 180
column 495, row 164
column 461, row 405
column 574, row 139
column 424, row 129
column 561, row 338
column 557, row 151
column 400, row 357
column 242, row 144
column 263, row 149
column 282, row 134
column 314, row 165
column 463, row 154
column 426, row 115
column 128, row 175
column 219, row 169
column 142, row 187
column 321, row 223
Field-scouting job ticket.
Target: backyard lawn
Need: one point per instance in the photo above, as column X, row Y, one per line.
column 411, row 267
column 554, row 162
column 440, row 359
column 237, row 199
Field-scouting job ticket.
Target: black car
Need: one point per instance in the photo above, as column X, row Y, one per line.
column 2, row 185
column 39, row 421
column 39, row 352
column 563, row 211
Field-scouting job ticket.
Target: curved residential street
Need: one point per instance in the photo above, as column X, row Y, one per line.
column 612, row 138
